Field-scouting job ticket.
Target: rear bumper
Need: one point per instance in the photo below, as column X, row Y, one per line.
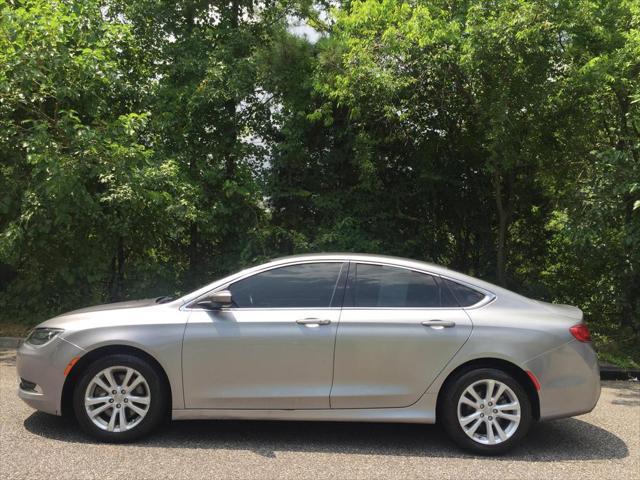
column 569, row 379
column 44, row 366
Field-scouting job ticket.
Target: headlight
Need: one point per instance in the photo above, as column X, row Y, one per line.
column 40, row 336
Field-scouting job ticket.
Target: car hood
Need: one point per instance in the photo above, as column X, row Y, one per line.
column 115, row 306
column 103, row 315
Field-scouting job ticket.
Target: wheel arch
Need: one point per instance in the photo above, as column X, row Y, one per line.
column 88, row 358
column 506, row 366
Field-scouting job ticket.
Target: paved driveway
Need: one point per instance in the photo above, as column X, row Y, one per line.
column 604, row 444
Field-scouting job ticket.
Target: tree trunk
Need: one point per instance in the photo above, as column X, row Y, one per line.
column 505, row 210
column 116, row 281
column 194, row 255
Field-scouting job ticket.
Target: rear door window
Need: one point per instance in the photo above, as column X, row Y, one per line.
column 382, row 286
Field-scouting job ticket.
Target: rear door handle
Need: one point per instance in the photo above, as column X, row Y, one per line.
column 438, row 324
column 313, row 321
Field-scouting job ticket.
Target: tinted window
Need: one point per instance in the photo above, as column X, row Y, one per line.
column 383, row 286
column 310, row 285
column 466, row 296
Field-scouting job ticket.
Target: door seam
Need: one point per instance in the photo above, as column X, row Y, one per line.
column 335, row 338
column 184, row 332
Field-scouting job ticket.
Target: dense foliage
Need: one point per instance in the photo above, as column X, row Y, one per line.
column 150, row 146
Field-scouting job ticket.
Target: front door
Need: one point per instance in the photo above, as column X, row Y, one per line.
column 398, row 329
column 273, row 348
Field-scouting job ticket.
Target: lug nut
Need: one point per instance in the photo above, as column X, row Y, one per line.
column 481, row 406
column 117, row 405
column 490, row 403
column 490, row 418
column 123, row 392
column 111, row 400
column 114, row 392
column 126, row 400
column 482, row 414
column 495, row 411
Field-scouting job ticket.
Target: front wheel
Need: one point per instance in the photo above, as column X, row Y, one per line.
column 119, row 398
column 486, row 411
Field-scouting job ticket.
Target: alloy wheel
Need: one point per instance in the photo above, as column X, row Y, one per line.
column 117, row 399
column 489, row 412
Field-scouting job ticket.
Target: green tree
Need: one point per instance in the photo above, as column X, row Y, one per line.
column 595, row 251
column 82, row 193
column 208, row 108
column 148, row 146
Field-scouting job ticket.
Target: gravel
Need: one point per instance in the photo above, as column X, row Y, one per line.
column 603, row 444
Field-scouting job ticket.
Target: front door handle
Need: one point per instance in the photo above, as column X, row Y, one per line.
column 313, row 321
column 438, row 324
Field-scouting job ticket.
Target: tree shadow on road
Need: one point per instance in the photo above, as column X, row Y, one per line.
column 627, row 393
column 560, row 440
column 8, row 357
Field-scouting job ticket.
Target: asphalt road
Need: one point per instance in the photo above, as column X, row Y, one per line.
column 603, row 444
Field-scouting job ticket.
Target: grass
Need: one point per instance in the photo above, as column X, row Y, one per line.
column 619, row 360
column 618, row 347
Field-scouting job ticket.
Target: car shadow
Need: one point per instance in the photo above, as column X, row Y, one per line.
column 560, row 440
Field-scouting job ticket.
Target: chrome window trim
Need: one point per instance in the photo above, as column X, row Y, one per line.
column 488, row 296
column 403, row 308
column 264, row 309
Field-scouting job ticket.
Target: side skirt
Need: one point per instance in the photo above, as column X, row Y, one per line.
column 423, row 411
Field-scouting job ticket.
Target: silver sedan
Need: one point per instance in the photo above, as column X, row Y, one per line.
column 337, row 337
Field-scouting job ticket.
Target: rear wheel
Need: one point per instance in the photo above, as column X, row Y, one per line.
column 486, row 411
column 119, row 398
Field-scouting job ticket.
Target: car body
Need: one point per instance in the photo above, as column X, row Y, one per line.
column 348, row 337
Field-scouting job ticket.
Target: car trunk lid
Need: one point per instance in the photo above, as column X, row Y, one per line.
column 568, row 311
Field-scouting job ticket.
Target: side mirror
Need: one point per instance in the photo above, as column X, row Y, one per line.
column 215, row 300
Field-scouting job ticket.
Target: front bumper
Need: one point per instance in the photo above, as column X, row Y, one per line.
column 569, row 379
column 44, row 366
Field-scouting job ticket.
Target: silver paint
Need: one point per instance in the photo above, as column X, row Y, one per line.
column 325, row 364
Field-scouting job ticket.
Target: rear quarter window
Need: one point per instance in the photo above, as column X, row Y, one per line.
column 466, row 296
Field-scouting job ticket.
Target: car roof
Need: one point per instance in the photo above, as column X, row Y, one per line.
column 387, row 260
column 361, row 257
column 427, row 267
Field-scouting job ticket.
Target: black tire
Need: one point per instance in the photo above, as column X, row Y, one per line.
column 448, row 411
column 157, row 406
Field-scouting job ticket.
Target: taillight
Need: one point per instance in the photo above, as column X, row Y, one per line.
column 581, row 332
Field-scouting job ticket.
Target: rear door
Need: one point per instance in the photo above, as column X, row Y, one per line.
column 398, row 329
